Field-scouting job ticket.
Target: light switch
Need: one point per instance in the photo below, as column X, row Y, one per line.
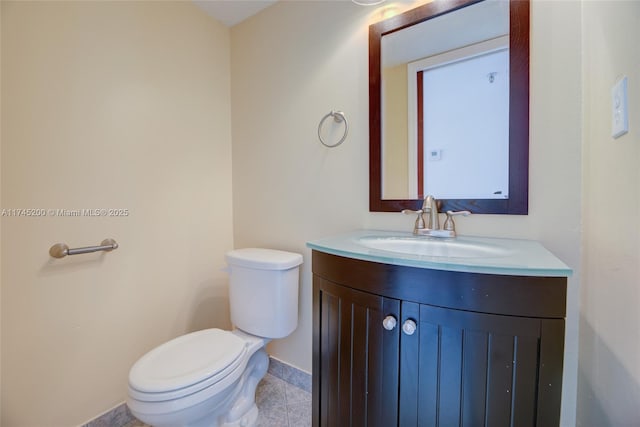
column 619, row 113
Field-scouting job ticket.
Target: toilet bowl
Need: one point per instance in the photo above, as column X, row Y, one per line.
column 209, row 377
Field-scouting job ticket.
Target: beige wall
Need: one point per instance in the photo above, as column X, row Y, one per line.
column 1, row 73
column 127, row 105
column 395, row 150
column 289, row 189
column 108, row 105
column 609, row 368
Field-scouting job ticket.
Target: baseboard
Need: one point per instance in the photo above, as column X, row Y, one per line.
column 290, row 374
column 119, row 416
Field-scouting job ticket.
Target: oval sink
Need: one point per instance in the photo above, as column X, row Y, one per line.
column 450, row 248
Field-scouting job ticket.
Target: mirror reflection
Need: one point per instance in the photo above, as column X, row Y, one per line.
column 445, row 106
column 449, row 85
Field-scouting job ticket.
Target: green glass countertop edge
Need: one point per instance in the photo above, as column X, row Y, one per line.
column 528, row 258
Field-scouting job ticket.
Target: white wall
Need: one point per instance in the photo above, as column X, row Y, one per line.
column 609, row 368
column 108, row 105
column 296, row 61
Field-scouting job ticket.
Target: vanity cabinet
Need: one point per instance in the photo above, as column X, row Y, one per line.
column 467, row 349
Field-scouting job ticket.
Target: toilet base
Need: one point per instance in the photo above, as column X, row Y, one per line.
column 249, row 419
column 232, row 407
column 244, row 412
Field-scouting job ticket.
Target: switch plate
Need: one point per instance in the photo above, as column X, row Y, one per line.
column 619, row 112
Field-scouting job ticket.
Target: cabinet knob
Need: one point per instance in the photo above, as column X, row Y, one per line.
column 389, row 323
column 409, row 327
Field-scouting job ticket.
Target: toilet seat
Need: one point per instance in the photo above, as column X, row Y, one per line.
column 186, row 365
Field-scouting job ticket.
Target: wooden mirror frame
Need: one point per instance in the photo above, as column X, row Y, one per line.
column 518, row 201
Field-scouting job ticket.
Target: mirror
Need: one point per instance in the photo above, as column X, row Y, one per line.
column 449, row 107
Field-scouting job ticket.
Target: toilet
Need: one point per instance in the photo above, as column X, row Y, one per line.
column 208, row 378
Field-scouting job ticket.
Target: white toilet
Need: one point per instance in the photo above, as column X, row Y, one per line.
column 208, row 378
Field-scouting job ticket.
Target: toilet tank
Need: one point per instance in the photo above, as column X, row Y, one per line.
column 263, row 291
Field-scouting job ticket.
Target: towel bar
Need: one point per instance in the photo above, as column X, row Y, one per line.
column 61, row 250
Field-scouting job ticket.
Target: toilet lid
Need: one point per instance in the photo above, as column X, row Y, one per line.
column 186, row 360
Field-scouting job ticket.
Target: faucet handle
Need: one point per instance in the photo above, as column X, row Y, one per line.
column 419, row 220
column 455, row 213
column 409, row 211
column 449, row 224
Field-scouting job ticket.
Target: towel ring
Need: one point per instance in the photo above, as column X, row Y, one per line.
column 338, row 117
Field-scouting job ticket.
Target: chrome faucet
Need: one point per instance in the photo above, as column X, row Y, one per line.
column 431, row 227
column 430, row 206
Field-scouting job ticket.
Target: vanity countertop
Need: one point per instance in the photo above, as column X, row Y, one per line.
column 514, row 257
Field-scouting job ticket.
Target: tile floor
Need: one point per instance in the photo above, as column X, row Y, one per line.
column 281, row 404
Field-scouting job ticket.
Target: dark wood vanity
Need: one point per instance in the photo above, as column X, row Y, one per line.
column 486, row 350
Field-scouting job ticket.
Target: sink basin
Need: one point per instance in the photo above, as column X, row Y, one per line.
column 430, row 247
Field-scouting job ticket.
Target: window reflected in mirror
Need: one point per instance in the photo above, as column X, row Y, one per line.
column 456, row 106
column 449, row 95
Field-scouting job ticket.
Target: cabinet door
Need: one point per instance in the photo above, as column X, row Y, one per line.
column 472, row 369
column 355, row 359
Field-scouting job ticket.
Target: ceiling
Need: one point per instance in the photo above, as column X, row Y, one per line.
column 231, row 12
